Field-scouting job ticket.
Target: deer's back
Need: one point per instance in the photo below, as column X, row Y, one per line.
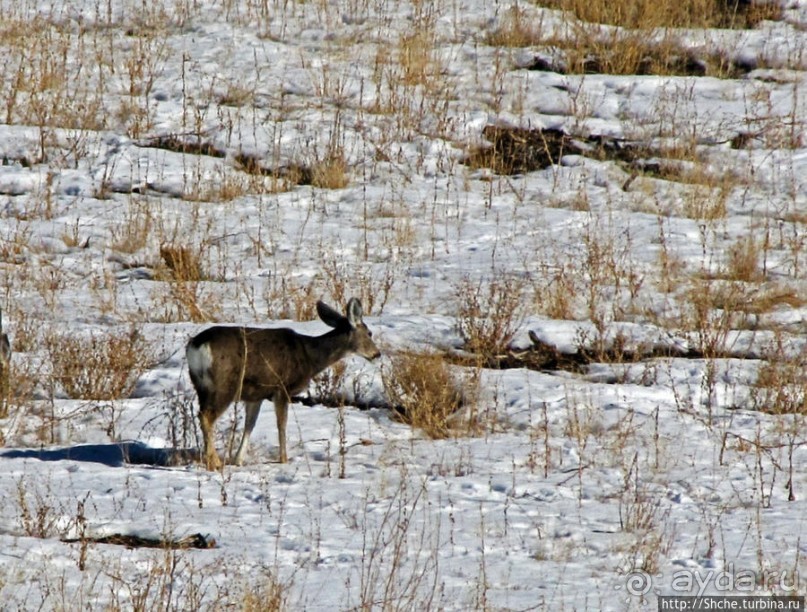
column 258, row 362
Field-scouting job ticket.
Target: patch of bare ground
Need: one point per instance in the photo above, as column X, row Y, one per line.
column 196, row 540
column 191, row 144
column 515, row 150
column 545, row 357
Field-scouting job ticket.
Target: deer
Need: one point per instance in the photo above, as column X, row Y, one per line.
column 5, row 345
column 228, row 364
column 5, row 361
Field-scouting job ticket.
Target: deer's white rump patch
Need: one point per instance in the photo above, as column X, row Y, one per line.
column 200, row 360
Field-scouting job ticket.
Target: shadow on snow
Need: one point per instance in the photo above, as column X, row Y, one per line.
column 113, row 455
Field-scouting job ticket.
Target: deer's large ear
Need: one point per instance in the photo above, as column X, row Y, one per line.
column 330, row 316
column 354, row 312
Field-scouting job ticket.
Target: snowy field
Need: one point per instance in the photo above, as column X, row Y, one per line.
column 606, row 270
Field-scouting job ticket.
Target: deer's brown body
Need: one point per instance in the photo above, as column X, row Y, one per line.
column 5, row 361
column 229, row 364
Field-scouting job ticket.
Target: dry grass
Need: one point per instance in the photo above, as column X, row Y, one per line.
column 22, row 379
column 417, row 57
column 555, row 292
column 266, row 595
column 744, row 260
column 412, row 89
column 288, row 298
column 742, row 298
column 184, row 263
column 489, row 313
column 770, row 296
column 187, row 301
column 226, row 185
column 183, row 292
column 330, row 172
column 627, row 52
column 649, row 14
column 371, row 284
column 325, row 170
column 98, row 366
column 414, row 101
column 133, row 232
column 328, row 386
column 780, row 387
column 706, row 202
column 517, row 28
column 37, row 516
column 425, row 393
column 643, row 43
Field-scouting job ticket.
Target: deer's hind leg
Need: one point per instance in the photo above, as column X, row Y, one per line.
column 211, row 407
column 210, row 457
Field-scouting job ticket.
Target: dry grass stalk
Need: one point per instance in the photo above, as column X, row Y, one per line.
column 425, row 393
column 191, row 307
column 706, row 202
column 225, row 187
column 713, row 310
column 184, row 293
column 100, row 366
column 650, row 14
column 418, row 59
column 372, row 287
column 770, row 296
column 331, row 172
column 289, row 299
column 133, row 233
column 329, row 385
column 488, row 314
column 183, row 262
column 517, row 29
column 780, row 387
column 555, row 297
column 645, row 40
column 743, row 264
column 268, row 595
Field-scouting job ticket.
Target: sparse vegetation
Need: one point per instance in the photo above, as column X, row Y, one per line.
column 425, row 394
column 488, row 313
column 98, row 366
column 646, row 14
column 579, row 230
column 183, row 262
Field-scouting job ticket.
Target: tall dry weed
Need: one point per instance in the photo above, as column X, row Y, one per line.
column 424, row 393
column 98, row 366
column 488, row 313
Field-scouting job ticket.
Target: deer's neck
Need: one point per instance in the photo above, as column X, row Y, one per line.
column 325, row 350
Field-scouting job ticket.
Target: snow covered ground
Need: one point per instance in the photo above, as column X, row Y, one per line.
column 169, row 164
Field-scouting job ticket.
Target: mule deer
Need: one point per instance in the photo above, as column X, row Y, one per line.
column 228, row 364
column 5, row 364
column 5, row 345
